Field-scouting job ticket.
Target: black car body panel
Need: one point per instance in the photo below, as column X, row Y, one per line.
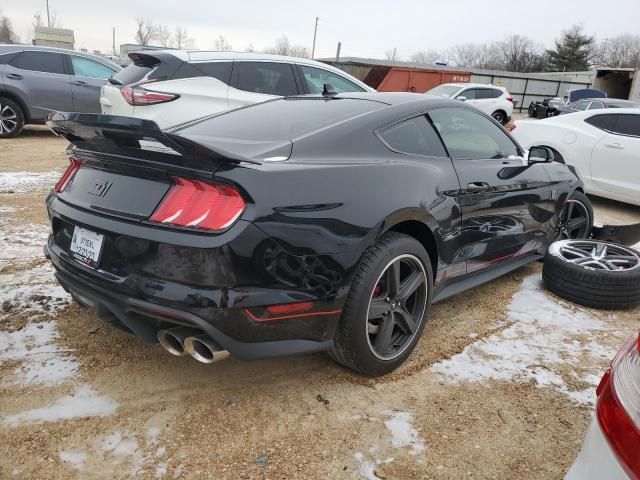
column 309, row 218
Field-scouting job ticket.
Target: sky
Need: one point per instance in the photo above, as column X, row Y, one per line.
column 365, row 28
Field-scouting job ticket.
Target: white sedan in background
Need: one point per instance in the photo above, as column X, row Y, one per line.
column 604, row 145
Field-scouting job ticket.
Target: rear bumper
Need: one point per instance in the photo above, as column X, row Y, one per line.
column 144, row 318
column 596, row 461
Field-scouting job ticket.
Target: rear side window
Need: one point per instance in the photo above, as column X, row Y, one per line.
column 415, row 136
column 603, row 122
column 470, row 135
column 596, row 106
column 266, row 77
column 219, row 70
column 132, row 74
column 85, row 67
column 490, row 93
column 6, row 58
column 469, row 94
column 315, row 78
column 47, row 62
column 628, row 124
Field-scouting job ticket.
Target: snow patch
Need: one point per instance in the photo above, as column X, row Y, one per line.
column 544, row 334
column 76, row 459
column 402, row 432
column 42, row 361
column 21, row 182
column 367, row 468
column 85, row 402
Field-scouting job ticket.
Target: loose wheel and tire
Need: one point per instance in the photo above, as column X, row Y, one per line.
column 593, row 273
column 11, row 118
column 386, row 308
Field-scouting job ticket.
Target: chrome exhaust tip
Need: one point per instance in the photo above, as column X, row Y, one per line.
column 204, row 349
column 173, row 339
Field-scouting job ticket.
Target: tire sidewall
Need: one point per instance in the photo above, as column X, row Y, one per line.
column 584, row 200
column 360, row 295
column 19, row 117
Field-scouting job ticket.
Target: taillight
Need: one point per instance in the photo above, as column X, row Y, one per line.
column 618, row 407
column 510, row 99
column 134, row 94
column 286, row 311
column 198, row 204
column 69, row 173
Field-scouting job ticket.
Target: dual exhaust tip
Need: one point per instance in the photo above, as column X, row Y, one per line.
column 181, row 341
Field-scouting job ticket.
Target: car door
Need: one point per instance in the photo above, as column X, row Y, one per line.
column 254, row 82
column 506, row 203
column 88, row 77
column 41, row 80
column 615, row 159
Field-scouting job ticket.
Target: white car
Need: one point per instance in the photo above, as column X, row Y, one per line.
column 611, row 448
column 491, row 99
column 604, row 145
column 171, row 87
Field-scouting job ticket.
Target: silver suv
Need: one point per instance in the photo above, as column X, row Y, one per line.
column 36, row 80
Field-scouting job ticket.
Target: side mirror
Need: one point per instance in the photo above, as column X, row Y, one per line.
column 461, row 98
column 540, row 155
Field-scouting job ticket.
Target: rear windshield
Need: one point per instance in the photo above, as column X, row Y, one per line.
column 132, row 74
column 281, row 119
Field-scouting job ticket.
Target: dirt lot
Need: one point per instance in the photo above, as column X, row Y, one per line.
column 501, row 385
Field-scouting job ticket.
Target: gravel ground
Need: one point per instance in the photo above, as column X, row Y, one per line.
column 500, row 386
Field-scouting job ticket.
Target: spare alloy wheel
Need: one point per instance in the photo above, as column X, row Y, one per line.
column 593, row 273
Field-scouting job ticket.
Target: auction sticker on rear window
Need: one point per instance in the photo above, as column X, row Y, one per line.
column 86, row 246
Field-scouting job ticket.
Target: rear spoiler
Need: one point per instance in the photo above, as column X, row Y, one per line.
column 137, row 138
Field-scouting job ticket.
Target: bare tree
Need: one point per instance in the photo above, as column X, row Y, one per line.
column 181, row 38
column 465, row 55
column 520, row 54
column 221, row 44
column 39, row 20
column 146, row 31
column 250, row 48
column 164, row 36
column 283, row 47
column 7, row 34
column 427, row 57
column 392, row 54
column 621, row 51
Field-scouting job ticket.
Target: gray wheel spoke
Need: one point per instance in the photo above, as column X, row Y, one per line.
column 411, row 284
column 405, row 321
column 576, row 223
column 575, row 251
column 384, row 335
column 393, row 279
column 377, row 308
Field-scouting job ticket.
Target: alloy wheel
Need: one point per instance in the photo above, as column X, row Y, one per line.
column 8, row 119
column 599, row 255
column 396, row 307
column 574, row 221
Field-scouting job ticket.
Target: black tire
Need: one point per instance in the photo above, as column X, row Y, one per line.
column 12, row 120
column 587, row 285
column 353, row 347
column 581, row 199
column 500, row 117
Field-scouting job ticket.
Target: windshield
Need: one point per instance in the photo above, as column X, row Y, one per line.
column 281, row 119
column 444, row 90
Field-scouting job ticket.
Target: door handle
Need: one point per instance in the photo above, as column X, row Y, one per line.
column 14, row 76
column 617, row 145
column 478, row 187
column 79, row 83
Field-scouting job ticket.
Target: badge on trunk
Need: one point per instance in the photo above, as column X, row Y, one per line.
column 100, row 187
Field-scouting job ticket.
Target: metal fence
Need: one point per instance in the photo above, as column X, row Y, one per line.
column 528, row 88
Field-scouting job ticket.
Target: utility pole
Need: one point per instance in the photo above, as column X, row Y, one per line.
column 48, row 18
column 315, row 31
column 114, row 40
column 338, row 52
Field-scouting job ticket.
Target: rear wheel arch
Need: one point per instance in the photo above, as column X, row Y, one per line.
column 423, row 234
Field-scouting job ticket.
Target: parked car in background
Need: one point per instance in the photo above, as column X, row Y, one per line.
column 595, row 104
column 604, row 145
column 300, row 224
column 37, row 80
column 175, row 86
column 611, row 448
column 491, row 99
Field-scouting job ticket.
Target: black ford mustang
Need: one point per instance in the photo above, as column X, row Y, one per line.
column 300, row 224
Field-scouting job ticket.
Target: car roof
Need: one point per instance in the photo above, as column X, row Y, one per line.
column 17, row 47
column 475, row 85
